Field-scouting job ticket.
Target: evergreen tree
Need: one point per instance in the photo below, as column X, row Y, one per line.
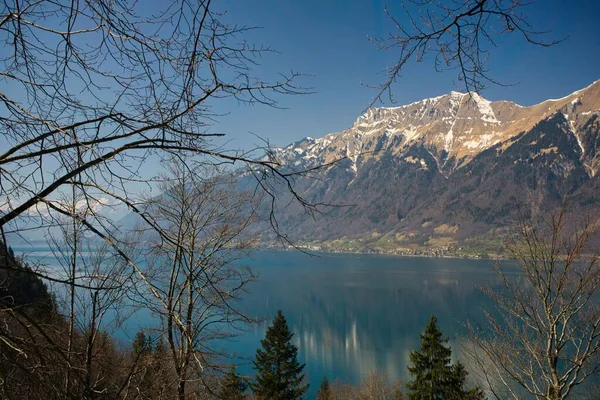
column 279, row 372
column 324, row 392
column 434, row 377
column 19, row 286
column 232, row 386
column 142, row 344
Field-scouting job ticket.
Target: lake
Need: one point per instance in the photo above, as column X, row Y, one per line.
column 354, row 314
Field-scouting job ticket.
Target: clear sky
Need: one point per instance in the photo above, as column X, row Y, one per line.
column 328, row 39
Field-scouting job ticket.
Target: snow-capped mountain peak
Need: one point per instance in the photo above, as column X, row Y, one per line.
column 454, row 127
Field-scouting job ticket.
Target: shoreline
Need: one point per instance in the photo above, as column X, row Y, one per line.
column 311, row 251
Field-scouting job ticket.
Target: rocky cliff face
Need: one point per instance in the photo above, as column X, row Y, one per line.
column 447, row 169
column 455, row 127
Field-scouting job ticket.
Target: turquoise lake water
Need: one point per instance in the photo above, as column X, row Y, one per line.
column 354, row 314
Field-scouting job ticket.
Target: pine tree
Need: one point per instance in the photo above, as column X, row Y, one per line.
column 434, row 377
column 280, row 374
column 324, row 392
column 232, row 386
column 142, row 344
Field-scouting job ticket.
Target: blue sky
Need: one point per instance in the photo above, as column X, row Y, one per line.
column 328, row 39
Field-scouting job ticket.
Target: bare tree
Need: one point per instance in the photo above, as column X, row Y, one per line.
column 91, row 93
column 456, row 35
column 193, row 267
column 544, row 339
column 67, row 349
column 94, row 90
column 93, row 304
column 26, row 341
column 372, row 386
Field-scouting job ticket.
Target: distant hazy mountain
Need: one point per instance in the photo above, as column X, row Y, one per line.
column 447, row 169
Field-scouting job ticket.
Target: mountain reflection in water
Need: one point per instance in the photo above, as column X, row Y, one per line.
column 353, row 314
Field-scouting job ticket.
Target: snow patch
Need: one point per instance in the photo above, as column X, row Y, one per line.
column 449, row 136
column 482, row 142
column 414, row 160
column 353, row 158
column 410, row 134
column 575, row 92
column 456, row 98
column 566, row 97
column 485, row 109
column 574, row 132
column 81, row 207
column 424, row 101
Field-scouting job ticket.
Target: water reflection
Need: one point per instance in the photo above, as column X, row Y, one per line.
column 352, row 314
column 355, row 314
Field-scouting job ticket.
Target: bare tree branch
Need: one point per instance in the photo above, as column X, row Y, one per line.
column 456, row 35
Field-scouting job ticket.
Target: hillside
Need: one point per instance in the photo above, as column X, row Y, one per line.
column 447, row 170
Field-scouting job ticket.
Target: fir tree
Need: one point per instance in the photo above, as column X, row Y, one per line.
column 324, row 392
column 232, row 386
column 434, row 377
column 142, row 344
column 280, row 374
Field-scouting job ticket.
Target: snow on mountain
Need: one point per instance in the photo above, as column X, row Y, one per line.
column 97, row 205
column 454, row 127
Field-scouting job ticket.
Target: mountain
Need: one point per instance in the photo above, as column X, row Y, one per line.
column 39, row 224
column 446, row 170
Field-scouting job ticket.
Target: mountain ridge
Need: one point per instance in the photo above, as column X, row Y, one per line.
column 457, row 125
column 447, row 169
